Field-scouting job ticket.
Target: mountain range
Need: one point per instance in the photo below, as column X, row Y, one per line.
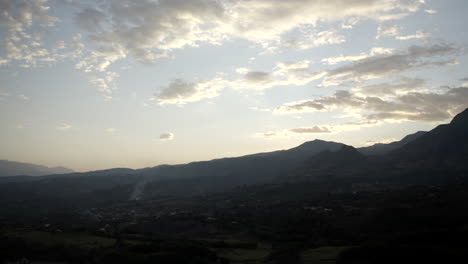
column 13, row 168
column 437, row 155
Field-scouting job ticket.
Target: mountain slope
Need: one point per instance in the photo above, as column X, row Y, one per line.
column 381, row 149
column 446, row 146
column 12, row 168
column 221, row 174
column 186, row 179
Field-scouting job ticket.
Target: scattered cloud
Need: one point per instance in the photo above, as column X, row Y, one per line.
column 465, row 82
column 411, row 106
column 330, row 37
column 166, row 136
column 322, row 129
column 25, row 23
column 430, row 11
column 284, row 73
column 403, row 84
column 105, row 83
column 257, row 77
column 395, row 32
column 310, row 130
column 379, row 63
column 384, row 65
column 339, row 59
column 388, row 31
column 260, row 109
column 149, row 30
column 181, row 92
column 23, row 97
column 146, row 31
column 418, row 35
column 63, row 126
column 373, row 52
column 3, row 94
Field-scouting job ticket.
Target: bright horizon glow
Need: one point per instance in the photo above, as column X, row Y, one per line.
column 136, row 84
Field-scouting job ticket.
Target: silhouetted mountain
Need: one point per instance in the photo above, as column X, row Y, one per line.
column 345, row 161
column 381, row 149
column 306, row 202
column 442, row 151
column 347, row 156
column 12, row 168
column 220, row 174
column 186, row 179
column 446, row 146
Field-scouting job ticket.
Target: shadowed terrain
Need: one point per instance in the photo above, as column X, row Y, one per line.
column 321, row 202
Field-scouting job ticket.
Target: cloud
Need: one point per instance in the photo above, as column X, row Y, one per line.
column 166, row 136
column 374, row 51
column 338, row 59
column 23, row 97
column 257, row 77
column 395, row 32
column 3, row 94
column 419, row 35
column 105, row 83
column 294, row 132
column 25, row 22
column 181, row 92
column 310, row 130
column 383, row 65
column 284, row 73
column 430, row 11
column 378, row 63
column 411, row 106
column 148, row 30
column 110, row 130
column 330, row 37
column 260, row 109
column 322, row 129
column 387, row 31
column 403, row 84
column 465, row 81
column 63, row 126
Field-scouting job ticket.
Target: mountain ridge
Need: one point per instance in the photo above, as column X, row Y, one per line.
column 15, row 168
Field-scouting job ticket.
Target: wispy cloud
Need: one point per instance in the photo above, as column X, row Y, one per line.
column 4, row 94
column 323, row 38
column 63, row 126
column 430, row 11
column 166, row 136
column 23, row 97
column 411, row 106
column 300, row 132
column 181, row 92
column 25, row 22
column 380, row 66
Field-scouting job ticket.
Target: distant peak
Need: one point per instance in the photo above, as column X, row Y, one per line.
column 317, row 141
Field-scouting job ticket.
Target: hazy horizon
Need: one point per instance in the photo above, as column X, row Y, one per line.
column 96, row 85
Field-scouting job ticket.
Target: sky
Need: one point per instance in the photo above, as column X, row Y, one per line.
column 136, row 83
